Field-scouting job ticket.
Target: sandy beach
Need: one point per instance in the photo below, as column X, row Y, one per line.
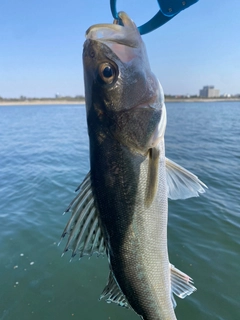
column 77, row 102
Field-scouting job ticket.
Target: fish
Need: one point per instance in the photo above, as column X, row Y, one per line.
column 121, row 209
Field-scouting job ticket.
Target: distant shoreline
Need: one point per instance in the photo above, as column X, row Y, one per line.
column 39, row 102
column 202, row 100
column 77, row 102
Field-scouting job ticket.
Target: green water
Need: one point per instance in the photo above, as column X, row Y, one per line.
column 44, row 157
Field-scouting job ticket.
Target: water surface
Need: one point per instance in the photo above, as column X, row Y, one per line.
column 44, row 157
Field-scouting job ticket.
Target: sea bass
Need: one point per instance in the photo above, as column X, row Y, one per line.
column 122, row 206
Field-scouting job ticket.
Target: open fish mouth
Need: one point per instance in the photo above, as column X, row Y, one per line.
column 121, row 39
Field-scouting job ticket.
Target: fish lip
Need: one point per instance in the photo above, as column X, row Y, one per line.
column 123, row 40
column 92, row 34
column 126, row 34
column 149, row 103
column 145, row 104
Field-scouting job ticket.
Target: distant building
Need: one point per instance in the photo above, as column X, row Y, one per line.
column 209, row 92
column 57, row 96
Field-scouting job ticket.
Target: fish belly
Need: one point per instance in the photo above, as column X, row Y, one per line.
column 136, row 236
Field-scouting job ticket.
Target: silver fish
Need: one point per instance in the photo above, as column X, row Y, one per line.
column 122, row 206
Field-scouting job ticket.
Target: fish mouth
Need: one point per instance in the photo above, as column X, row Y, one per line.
column 123, row 39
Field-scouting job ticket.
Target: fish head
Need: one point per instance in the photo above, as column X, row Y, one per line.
column 117, row 75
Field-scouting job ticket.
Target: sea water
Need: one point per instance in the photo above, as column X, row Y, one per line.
column 43, row 158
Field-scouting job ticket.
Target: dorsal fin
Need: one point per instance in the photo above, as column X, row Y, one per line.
column 113, row 293
column 83, row 228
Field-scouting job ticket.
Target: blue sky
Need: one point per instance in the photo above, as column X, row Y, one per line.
column 41, row 45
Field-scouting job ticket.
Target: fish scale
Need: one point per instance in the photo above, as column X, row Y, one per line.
column 122, row 205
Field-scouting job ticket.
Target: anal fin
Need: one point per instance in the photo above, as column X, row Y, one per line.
column 181, row 283
column 113, row 293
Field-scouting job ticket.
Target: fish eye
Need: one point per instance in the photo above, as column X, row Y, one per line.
column 107, row 72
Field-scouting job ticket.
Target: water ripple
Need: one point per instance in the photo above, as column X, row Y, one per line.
column 44, row 157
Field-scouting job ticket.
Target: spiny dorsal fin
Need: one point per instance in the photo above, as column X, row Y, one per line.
column 83, row 228
column 152, row 179
column 113, row 293
column 182, row 184
column 181, row 284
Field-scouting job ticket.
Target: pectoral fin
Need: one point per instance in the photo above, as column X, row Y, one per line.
column 182, row 184
column 181, row 284
column 152, row 179
column 113, row 293
column 83, row 228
